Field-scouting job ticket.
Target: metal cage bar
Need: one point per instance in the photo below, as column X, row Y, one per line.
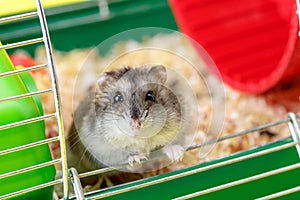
column 55, row 88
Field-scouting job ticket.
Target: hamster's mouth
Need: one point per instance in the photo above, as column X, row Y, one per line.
column 138, row 122
column 135, row 124
column 142, row 132
column 140, row 129
column 151, row 122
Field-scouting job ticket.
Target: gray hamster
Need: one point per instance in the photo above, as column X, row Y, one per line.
column 132, row 113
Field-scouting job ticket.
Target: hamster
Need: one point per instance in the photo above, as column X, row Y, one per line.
column 132, row 113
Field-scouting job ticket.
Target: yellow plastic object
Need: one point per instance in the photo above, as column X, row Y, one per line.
column 16, row 6
column 18, row 110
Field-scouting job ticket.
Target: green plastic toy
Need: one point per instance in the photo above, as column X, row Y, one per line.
column 16, row 111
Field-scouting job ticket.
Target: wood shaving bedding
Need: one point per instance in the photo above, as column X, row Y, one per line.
column 242, row 112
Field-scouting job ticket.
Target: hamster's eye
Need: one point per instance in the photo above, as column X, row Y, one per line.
column 118, row 97
column 149, row 96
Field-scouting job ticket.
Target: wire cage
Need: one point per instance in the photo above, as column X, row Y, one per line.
column 257, row 173
column 269, row 171
column 33, row 145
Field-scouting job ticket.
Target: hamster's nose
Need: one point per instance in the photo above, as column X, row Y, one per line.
column 135, row 123
column 135, row 112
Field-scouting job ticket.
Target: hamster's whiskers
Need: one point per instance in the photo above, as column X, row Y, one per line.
column 144, row 115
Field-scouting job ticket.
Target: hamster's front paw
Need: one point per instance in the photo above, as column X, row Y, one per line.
column 174, row 152
column 136, row 159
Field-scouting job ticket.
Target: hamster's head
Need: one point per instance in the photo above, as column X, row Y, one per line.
column 136, row 102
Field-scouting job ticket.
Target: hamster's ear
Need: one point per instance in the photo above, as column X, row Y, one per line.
column 104, row 80
column 158, row 73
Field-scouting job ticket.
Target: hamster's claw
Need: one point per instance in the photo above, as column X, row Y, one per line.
column 136, row 159
column 174, row 152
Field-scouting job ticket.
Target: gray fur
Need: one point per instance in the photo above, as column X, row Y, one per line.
column 100, row 135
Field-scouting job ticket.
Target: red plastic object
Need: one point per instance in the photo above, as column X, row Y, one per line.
column 24, row 60
column 254, row 43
